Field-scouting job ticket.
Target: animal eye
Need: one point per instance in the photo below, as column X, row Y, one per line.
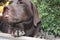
column 10, row 2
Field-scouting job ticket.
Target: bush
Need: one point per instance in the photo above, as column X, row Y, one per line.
column 49, row 13
column 2, row 2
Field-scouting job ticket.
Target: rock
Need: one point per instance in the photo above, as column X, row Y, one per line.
column 4, row 36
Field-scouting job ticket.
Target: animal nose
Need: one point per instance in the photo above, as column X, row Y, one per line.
column 5, row 8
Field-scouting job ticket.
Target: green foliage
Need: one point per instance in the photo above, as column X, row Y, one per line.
column 2, row 2
column 49, row 13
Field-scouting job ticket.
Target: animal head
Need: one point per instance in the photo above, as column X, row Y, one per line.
column 16, row 12
column 19, row 12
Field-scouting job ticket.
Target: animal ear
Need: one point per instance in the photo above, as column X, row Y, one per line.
column 36, row 19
